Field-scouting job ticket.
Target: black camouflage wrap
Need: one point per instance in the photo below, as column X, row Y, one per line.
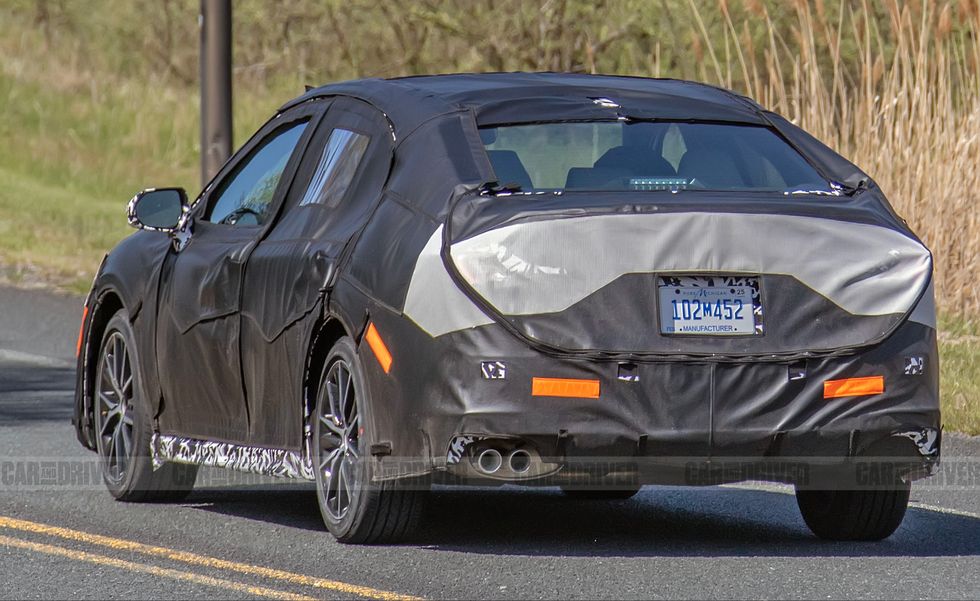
column 230, row 325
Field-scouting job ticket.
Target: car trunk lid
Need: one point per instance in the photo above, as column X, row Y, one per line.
column 806, row 278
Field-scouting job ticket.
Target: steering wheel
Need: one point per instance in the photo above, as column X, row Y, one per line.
column 235, row 217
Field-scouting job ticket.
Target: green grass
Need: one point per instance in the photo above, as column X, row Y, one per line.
column 54, row 234
column 78, row 144
column 959, row 359
column 74, row 153
column 65, row 181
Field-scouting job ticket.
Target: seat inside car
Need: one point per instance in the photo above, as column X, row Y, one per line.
column 617, row 165
column 713, row 167
column 509, row 168
column 640, row 161
column 595, row 178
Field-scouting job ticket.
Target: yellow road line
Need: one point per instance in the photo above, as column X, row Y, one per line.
column 202, row 560
column 239, row 587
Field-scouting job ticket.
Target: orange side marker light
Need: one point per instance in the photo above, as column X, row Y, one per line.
column 81, row 332
column 381, row 352
column 833, row 389
column 563, row 387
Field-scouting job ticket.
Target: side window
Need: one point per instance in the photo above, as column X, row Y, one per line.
column 341, row 156
column 245, row 196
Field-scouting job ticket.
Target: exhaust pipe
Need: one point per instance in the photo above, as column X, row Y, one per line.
column 519, row 461
column 489, row 461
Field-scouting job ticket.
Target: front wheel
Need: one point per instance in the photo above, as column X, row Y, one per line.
column 123, row 425
column 354, row 508
column 867, row 515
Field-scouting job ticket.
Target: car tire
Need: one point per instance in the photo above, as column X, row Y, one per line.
column 600, row 494
column 123, row 424
column 356, row 509
column 854, row 515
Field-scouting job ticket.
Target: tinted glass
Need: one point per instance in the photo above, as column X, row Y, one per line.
column 341, row 156
column 245, row 197
column 647, row 156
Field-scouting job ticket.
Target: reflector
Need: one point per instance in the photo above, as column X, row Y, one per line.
column 377, row 345
column 833, row 389
column 561, row 387
column 81, row 331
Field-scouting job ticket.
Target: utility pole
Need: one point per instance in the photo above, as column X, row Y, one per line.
column 215, row 24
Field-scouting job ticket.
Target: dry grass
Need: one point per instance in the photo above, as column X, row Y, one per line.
column 907, row 110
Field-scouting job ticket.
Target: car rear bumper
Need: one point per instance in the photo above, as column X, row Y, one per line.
column 854, row 459
column 698, row 422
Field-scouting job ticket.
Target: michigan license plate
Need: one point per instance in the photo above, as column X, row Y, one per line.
column 710, row 305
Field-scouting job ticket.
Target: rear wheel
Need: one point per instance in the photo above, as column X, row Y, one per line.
column 854, row 514
column 354, row 508
column 123, row 425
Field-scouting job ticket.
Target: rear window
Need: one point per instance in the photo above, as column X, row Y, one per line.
column 617, row 155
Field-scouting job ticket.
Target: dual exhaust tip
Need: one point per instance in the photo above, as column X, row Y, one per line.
column 491, row 461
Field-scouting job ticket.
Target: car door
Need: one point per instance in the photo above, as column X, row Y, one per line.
column 337, row 186
column 198, row 322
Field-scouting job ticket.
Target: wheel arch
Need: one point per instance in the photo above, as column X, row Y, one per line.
column 127, row 276
column 105, row 304
column 326, row 332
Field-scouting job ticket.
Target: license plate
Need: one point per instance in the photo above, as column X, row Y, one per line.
column 710, row 305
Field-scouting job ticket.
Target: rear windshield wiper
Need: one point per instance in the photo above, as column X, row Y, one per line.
column 836, row 189
column 495, row 188
column 850, row 189
column 833, row 191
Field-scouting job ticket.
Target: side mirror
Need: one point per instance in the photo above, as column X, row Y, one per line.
column 158, row 209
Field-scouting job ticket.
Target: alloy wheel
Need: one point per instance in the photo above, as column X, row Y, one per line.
column 114, row 410
column 338, row 424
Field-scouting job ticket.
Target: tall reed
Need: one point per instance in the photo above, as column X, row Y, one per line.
column 907, row 112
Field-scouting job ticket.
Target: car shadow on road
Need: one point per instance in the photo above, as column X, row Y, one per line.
column 30, row 393
column 659, row 522
column 669, row 521
column 292, row 504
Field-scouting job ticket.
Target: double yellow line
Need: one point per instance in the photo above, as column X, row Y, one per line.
column 119, row 544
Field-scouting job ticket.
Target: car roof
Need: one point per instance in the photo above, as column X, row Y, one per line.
column 497, row 98
column 479, row 88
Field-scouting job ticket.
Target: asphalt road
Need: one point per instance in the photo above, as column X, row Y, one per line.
column 62, row 536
